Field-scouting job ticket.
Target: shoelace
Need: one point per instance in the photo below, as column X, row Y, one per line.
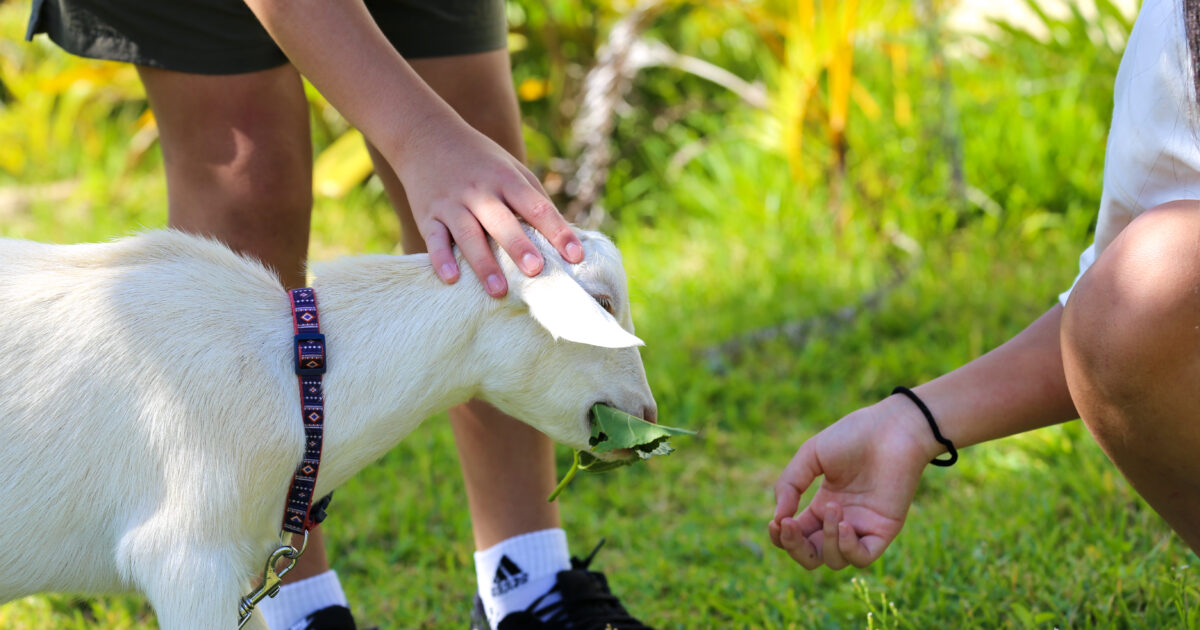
column 595, row 609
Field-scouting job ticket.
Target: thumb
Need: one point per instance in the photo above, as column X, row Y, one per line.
column 795, row 479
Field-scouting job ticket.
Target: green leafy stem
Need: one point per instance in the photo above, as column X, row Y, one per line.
column 614, row 430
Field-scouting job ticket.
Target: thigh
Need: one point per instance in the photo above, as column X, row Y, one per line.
column 238, row 158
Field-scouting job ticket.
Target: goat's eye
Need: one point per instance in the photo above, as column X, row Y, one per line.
column 605, row 303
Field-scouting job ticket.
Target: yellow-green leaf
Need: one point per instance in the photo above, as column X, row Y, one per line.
column 342, row 166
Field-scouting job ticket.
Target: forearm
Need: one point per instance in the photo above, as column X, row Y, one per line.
column 339, row 48
column 1017, row 387
column 872, row 459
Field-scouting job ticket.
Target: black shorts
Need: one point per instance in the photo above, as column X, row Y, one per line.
column 224, row 37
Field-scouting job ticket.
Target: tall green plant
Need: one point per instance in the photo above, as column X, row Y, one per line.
column 1056, row 80
column 57, row 111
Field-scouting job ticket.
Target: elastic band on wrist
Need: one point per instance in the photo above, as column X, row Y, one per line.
column 937, row 435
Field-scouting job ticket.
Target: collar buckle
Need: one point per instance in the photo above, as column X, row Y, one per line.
column 310, row 354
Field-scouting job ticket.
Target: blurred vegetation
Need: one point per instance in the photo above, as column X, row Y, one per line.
column 887, row 146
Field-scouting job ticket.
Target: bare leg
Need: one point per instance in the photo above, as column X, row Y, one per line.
column 505, row 500
column 1131, row 350
column 238, row 158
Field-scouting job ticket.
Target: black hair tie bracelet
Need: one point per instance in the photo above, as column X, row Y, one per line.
column 937, row 435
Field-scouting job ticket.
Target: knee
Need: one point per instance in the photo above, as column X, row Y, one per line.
column 1136, row 312
column 265, row 191
column 272, row 181
column 233, row 171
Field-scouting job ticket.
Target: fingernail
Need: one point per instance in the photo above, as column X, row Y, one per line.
column 574, row 252
column 448, row 272
column 531, row 263
column 495, row 285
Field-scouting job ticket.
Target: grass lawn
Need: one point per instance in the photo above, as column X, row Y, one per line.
column 1035, row 531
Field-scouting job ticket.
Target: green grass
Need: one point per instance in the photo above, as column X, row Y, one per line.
column 1036, row 531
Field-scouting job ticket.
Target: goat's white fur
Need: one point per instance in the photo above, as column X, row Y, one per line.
column 150, row 416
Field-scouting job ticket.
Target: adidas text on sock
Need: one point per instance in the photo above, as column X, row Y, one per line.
column 514, row 572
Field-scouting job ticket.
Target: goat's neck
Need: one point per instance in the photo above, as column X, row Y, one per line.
column 400, row 346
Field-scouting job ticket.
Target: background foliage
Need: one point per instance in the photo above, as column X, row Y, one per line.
column 901, row 199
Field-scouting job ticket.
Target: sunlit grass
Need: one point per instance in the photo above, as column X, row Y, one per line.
column 1033, row 531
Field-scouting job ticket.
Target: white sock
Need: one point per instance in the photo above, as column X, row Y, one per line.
column 514, row 572
column 298, row 600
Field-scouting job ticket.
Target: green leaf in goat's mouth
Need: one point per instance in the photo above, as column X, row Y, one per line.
column 613, row 430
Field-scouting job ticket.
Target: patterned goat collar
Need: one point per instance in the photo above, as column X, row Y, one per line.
column 300, row 513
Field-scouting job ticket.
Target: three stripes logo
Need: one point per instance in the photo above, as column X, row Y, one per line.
column 508, row 577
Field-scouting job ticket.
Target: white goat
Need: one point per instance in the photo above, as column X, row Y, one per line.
column 150, row 414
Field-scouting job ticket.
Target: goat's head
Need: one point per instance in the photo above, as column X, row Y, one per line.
column 566, row 338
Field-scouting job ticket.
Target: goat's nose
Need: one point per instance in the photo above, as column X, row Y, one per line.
column 650, row 413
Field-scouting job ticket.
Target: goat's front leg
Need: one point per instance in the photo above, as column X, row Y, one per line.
column 256, row 622
column 195, row 589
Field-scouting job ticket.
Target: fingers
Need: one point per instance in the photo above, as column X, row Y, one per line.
column 773, row 530
column 498, row 221
column 473, row 244
column 441, row 256
column 841, row 545
column 864, row 551
column 797, row 536
column 831, row 551
column 483, row 214
column 794, row 480
column 527, row 200
column 832, row 542
column 851, row 550
column 792, row 540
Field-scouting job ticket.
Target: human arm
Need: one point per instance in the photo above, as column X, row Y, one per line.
column 872, row 459
column 461, row 185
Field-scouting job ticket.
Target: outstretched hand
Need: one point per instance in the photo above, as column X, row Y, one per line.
column 871, row 461
column 462, row 188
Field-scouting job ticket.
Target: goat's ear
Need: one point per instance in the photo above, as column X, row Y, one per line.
column 564, row 309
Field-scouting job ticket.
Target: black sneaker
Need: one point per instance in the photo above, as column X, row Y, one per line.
column 331, row 618
column 586, row 604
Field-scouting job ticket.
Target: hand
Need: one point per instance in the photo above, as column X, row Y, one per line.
column 872, row 460
column 463, row 187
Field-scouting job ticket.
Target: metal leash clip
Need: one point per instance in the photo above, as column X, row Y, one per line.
column 271, row 578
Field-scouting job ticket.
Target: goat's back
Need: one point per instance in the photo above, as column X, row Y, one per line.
column 125, row 368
